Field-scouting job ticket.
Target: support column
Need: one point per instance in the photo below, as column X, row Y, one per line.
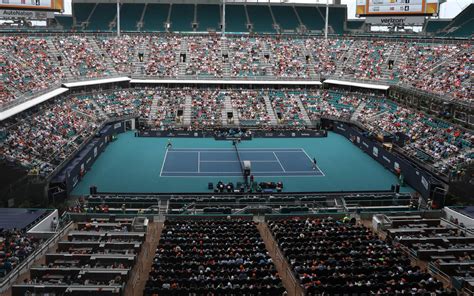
column 118, row 18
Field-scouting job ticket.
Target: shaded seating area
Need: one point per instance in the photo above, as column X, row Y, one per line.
column 97, row 257
column 329, row 256
column 447, row 248
column 219, row 256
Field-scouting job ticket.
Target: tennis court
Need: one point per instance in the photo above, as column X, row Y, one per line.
column 193, row 162
column 135, row 164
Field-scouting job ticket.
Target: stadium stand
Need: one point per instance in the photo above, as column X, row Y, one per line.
column 66, row 22
column 98, row 257
column 433, row 26
column 217, row 256
column 182, row 17
column 366, row 263
column 461, row 25
column 164, row 75
column 130, row 15
column 208, row 17
column 261, row 19
column 101, row 17
column 156, row 15
column 81, row 13
column 236, row 20
column 435, row 142
column 285, row 17
column 311, row 18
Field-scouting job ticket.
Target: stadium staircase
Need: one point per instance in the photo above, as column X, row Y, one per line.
column 348, row 56
column 283, row 267
column 140, row 66
column 391, row 54
column 356, row 113
column 276, row 26
column 438, row 67
column 183, row 50
column 302, row 25
column 153, row 111
column 268, row 64
column 310, row 64
column 247, row 16
column 303, row 112
column 141, row 270
column 101, row 110
column 108, row 60
column 188, row 104
column 55, row 53
column 225, row 62
column 270, row 111
column 227, row 109
column 140, row 21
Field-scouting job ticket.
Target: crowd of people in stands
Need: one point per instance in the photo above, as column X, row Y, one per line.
column 161, row 56
column 225, row 257
column 40, row 139
column 82, row 56
column 250, row 106
column 15, row 246
column 26, row 66
column 204, row 57
column 329, row 255
column 32, row 64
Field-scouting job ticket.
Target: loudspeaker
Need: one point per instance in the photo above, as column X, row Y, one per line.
column 93, row 190
column 397, row 188
column 392, row 189
column 210, row 186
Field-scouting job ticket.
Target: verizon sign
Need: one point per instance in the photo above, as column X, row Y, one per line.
column 395, row 20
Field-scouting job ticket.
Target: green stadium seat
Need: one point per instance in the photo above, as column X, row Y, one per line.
column 81, row 11
column 182, row 17
column 311, row 18
column 208, row 17
column 285, row 16
column 337, row 17
column 155, row 17
column 261, row 18
column 236, row 21
column 65, row 21
column 354, row 24
column 100, row 19
column 130, row 15
column 434, row 26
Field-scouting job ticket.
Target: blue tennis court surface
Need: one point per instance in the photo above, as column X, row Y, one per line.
column 202, row 162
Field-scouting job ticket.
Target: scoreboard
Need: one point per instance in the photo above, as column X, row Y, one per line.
column 397, row 7
column 52, row 5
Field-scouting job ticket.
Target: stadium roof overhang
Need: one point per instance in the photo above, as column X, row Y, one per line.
column 236, row 82
column 31, row 103
column 97, row 81
column 357, row 84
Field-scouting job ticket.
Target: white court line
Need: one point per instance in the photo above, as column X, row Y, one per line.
column 237, row 176
column 279, row 162
column 304, row 151
column 164, row 160
column 237, row 161
column 232, row 149
column 236, row 172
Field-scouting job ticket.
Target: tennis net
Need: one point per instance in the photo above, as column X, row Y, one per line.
column 238, row 157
